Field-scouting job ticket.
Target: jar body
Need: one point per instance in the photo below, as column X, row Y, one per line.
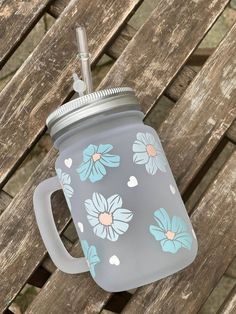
column 126, row 207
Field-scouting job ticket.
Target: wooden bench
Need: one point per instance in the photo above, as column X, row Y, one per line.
column 153, row 61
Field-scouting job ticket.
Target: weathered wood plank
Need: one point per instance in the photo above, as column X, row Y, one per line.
column 215, row 225
column 231, row 133
column 150, row 68
column 20, row 242
column 45, row 79
column 57, row 7
column 5, row 200
column 17, row 18
column 229, row 305
column 190, row 122
column 78, row 294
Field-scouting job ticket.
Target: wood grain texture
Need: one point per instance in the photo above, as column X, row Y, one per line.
column 78, row 294
column 229, row 305
column 20, row 241
column 5, row 200
column 198, row 130
column 45, row 79
column 17, row 18
column 57, row 7
column 164, row 44
column 215, row 224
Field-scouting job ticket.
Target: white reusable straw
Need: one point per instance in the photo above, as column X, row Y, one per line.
column 84, row 58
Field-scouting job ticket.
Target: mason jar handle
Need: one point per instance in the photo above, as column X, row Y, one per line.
column 44, row 217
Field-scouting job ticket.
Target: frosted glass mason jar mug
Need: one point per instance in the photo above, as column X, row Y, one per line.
column 126, row 207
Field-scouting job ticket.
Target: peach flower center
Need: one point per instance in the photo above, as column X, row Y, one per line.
column 105, row 219
column 151, row 150
column 170, row 235
column 96, row 156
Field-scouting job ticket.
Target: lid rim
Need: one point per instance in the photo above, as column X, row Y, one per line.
column 85, row 100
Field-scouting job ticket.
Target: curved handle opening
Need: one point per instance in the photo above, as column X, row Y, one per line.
column 53, row 243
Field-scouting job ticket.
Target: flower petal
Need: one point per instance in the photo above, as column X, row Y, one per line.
column 114, row 202
column 139, row 147
column 100, row 231
column 162, row 219
column 65, row 178
column 104, row 148
column 85, row 169
column 160, row 162
column 111, row 234
column 99, row 202
column 140, row 158
column 185, row 239
column 122, row 214
column 150, row 138
column 68, row 190
column 59, row 172
column 98, row 172
column 142, row 138
column 178, row 225
column 120, row 227
column 151, row 166
column 89, row 151
column 85, row 247
column 92, row 255
column 90, row 208
column 93, row 220
column 157, row 232
column 170, row 246
column 110, row 160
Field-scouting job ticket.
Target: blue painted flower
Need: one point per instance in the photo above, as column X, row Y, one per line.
column 91, row 256
column 172, row 234
column 95, row 159
column 149, row 153
column 107, row 217
column 65, row 181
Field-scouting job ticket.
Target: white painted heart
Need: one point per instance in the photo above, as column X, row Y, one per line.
column 81, row 226
column 114, row 260
column 68, row 162
column 132, row 182
column 172, row 189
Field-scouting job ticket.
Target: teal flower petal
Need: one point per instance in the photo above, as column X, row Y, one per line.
column 90, row 254
column 85, row 169
column 160, row 162
column 122, row 214
column 99, row 202
column 157, row 232
column 95, row 159
column 142, row 138
column 172, row 233
column 107, row 217
column 162, row 219
column 111, row 161
column 65, row 181
column 114, row 202
column 104, row 148
column 100, row 231
column 139, row 147
column 150, row 139
column 93, row 220
column 111, row 234
column 185, row 239
column 151, row 166
column 98, row 171
column 140, row 158
column 120, row 227
column 170, row 246
column 178, row 225
column 89, row 152
column 91, row 209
